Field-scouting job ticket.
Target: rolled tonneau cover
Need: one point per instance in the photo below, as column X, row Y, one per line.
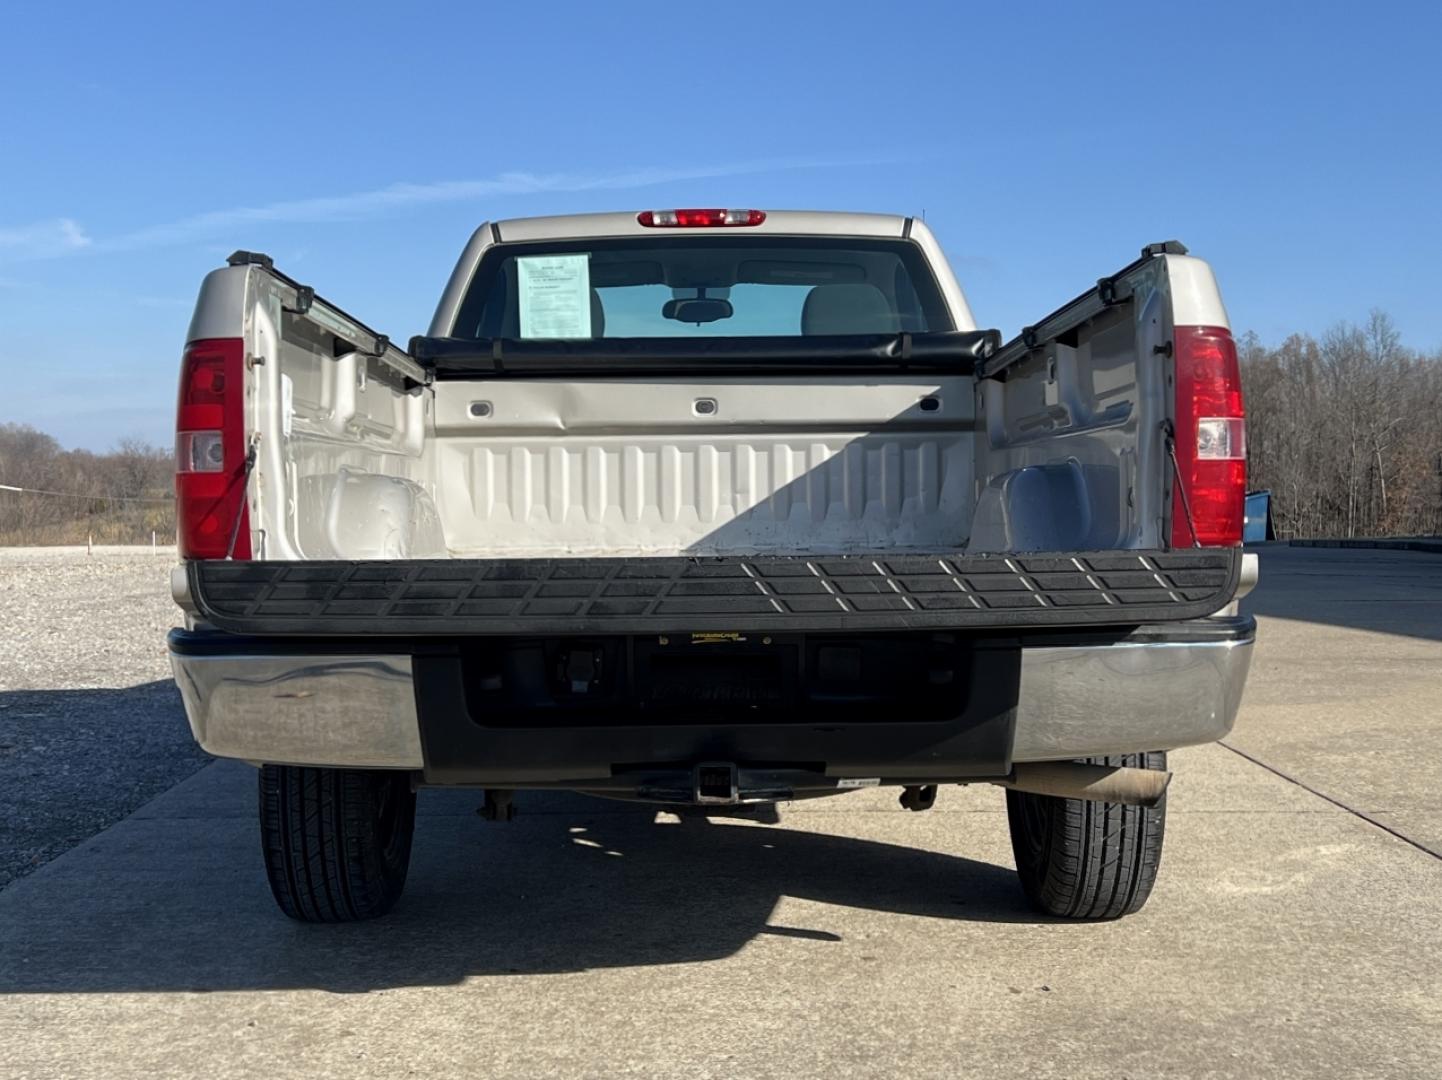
column 953, row 352
column 680, row 594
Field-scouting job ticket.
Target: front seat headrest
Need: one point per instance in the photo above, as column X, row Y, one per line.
column 848, row 309
column 598, row 316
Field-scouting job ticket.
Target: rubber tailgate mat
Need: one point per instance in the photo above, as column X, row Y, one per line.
column 680, row 594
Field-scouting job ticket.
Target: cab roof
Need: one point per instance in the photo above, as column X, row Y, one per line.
column 778, row 222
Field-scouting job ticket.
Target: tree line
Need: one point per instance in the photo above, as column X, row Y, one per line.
column 119, row 497
column 1344, row 430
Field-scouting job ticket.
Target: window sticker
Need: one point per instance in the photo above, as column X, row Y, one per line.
column 555, row 295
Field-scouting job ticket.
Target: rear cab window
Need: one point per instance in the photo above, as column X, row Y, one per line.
column 695, row 287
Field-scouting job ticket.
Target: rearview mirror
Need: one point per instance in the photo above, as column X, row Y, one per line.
column 696, row 311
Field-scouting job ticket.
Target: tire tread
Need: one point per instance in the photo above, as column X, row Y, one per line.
column 1092, row 860
column 323, row 843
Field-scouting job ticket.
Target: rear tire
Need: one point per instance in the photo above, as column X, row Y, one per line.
column 337, row 842
column 1079, row 859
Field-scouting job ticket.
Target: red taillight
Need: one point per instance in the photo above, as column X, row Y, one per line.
column 700, row 219
column 1211, row 439
column 210, row 451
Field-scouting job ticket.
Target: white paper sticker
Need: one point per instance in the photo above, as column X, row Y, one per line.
column 858, row 781
column 555, row 295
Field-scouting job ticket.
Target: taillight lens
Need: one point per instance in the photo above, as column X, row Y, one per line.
column 199, row 451
column 1211, row 439
column 210, row 450
column 699, row 219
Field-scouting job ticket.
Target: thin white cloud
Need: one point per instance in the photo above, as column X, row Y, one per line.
column 43, row 239
column 63, row 237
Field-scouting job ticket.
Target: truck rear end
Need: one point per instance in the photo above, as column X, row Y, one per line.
column 710, row 508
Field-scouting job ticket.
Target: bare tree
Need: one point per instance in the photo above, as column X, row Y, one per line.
column 1345, row 432
column 68, row 495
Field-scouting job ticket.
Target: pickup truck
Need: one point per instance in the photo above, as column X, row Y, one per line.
column 711, row 508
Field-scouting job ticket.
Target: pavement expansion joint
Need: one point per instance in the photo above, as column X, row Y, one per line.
column 1368, row 818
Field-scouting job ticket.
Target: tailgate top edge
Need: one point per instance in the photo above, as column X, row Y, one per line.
column 880, row 591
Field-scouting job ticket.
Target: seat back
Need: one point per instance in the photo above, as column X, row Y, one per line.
column 848, row 309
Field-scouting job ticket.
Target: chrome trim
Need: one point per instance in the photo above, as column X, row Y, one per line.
column 180, row 589
column 346, row 711
column 1250, row 575
column 1086, row 701
column 1247, row 579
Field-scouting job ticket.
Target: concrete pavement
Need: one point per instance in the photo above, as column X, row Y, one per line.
column 1287, row 936
column 1346, row 688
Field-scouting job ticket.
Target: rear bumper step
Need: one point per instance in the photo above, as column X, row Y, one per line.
column 715, row 593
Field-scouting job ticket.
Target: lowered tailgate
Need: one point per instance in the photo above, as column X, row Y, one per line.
column 719, row 593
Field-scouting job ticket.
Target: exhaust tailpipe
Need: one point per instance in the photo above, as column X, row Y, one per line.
column 1099, row 783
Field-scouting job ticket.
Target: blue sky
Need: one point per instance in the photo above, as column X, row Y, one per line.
column 1296, row 146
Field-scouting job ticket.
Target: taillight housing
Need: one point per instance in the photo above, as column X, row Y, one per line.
column 700, row 219
column 210, row 503
column 1209, row 494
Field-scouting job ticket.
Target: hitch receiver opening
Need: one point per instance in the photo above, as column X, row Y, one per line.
column 716, row 784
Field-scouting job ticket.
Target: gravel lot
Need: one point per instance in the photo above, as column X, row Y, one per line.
column 91, row 726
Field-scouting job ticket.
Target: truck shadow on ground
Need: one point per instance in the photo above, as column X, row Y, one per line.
column 75, row 761
column 171, row 901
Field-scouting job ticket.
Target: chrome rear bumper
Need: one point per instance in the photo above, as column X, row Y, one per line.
column 351, row 711
column 1161, row 688
column 1089, row 701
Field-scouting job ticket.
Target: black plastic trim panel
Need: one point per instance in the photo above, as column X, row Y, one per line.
column 680, row 594
column 1239, row 629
